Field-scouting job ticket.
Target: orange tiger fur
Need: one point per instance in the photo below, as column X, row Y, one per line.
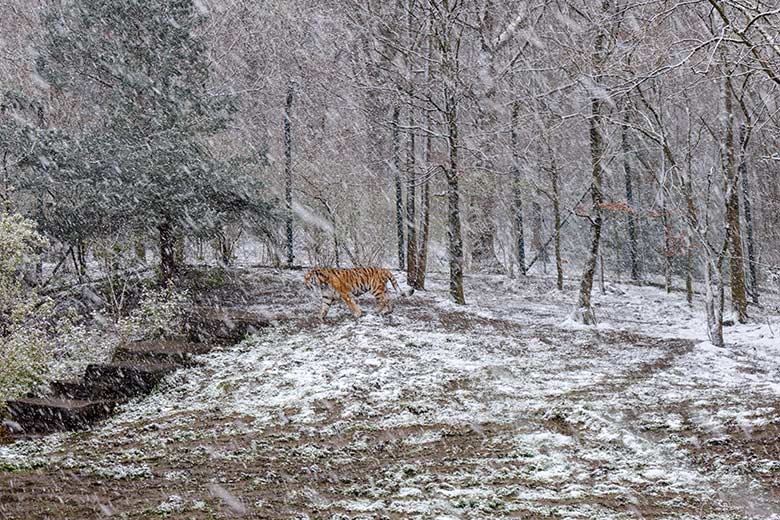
column 345, row 283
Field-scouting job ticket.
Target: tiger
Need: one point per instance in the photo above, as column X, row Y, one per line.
column 344, row 283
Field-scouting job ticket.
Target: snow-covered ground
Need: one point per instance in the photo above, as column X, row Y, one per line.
column 503, row 408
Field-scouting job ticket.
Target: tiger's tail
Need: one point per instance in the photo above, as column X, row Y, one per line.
column 397, row 289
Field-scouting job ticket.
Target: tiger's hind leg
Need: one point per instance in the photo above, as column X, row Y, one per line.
column 384, row 302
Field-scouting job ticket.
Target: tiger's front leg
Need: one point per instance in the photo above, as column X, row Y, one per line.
column 328, row 297
column 347, row 299
column 326, row 302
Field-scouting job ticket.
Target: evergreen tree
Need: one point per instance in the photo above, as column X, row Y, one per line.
column 142, row 161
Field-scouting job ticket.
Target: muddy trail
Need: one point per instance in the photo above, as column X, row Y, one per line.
column 433, row 412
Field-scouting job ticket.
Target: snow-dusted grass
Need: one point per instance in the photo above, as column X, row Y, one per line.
column 501, row 408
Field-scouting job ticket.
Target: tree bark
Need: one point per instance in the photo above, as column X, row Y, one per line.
column 556, row 200
column 411, row 162
column 691, row 219
column 517, row 191
column 536, row 235
column 454, row 239
column 399, row 196
column 713, row 301
column 425, row 210
column 288, row 174
column 584, row 311
column 737, row 275
column 167, row 252
column 425, row 197
column 633, row 246
column 743, row 175
column 666, row 224
column 411, row 194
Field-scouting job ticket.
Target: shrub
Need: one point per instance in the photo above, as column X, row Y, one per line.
column 160, row 313
column 24, row 315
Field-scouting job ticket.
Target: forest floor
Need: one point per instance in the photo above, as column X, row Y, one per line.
column 503, row 408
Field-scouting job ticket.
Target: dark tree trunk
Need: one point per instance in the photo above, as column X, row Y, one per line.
column 667, row 225
column 738, row 294
column 633, row 246
column 288, row 174
column 399, row 196
column 425, row 217
column 556, row 200
column 517, row 192
column 81, row 255
column 584, row 308
column 411, row 194
column 411, row 161
column 167, row 252
column 536, row 235
column 425, row 209
column 743, row 175
column 425, row 198
column 454, row 238
column 692, row 218
column 179, row 250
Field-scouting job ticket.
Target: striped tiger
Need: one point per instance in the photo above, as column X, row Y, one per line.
column 346, row 283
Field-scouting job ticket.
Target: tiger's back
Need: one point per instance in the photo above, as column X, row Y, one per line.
column 345, row 283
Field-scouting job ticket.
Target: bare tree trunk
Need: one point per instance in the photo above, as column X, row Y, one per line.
column 81, row 256
column 633, row 246
column 411, row 160
column 517, row 191
column 536, row 235
column 738, row 294
column 454, row 239
column 666, row 223
column 399, row 196
column 556, row 200
column 179, row 250
column 713, row 301
column 688, row 188
column 425, row 199
column 584, row 308
column 584, row 311
column 425, row 210
column 411, row 194
column 167, row 252
column 288, row 173
column 743, row 175
column 691, row 216
column 76, row 266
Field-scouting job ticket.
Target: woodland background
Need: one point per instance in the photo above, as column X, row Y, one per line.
column 636, row 140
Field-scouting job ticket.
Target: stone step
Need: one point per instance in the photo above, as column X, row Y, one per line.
column 126, row 379
column 136, row 369
column 70, row 389
column 49, row 414
column 222, row 325
column 178, row 352
column 81, row 390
